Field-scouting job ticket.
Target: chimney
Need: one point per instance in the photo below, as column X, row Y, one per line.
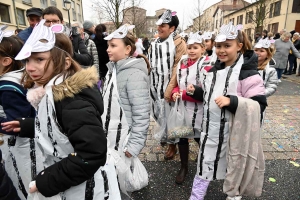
column 234, row 3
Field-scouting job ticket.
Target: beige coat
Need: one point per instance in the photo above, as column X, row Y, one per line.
column 245, row 158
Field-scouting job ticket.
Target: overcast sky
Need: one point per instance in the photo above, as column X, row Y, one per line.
column 186, row 9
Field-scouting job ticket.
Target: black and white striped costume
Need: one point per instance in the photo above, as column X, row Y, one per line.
column 215, row 129
column 20, row 155
column 162, row 57
column 55, row 146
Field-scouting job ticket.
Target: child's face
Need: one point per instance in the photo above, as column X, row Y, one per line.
column 261, row 53
column 35, row 66
column 208, row 45
column 164, row 30
column 117, row 50
column 227, row 51
column 195, row 51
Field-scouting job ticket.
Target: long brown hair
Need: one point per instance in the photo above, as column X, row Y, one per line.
column 10, row 47
column 243, row 38
column 58, row 54
column 129, row 39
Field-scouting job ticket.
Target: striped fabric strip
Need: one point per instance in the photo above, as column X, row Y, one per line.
column 32, row 158
column 162, row 73
column 20, row 184
column 106, row 185
column 168, row 59
column 119, row 130
column 107, row 120
column 89, row 189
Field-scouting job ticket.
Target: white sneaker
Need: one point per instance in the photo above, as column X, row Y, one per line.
column 234, row 198
column 279, row 81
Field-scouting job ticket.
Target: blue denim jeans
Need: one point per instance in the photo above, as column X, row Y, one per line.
column 292, row 63
column 279, row 72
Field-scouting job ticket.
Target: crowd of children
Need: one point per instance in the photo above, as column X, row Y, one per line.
column 67, row 135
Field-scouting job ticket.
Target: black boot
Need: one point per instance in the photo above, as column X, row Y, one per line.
column 184, row 159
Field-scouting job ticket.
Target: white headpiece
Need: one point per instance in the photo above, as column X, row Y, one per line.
column 41, row 39
column 263, row 43
column 207, row 35
column 5, row 33
column 228, row 31
column 121, row 32
column 166, row 17
column 195, row 38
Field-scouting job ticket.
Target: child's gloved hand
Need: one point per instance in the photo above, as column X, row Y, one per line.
column 175, row 96
column 190, row 89
column 222, row 101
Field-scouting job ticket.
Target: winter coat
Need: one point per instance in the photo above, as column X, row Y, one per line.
column 139, row 46
column 282, row 52
column 269, row 76
column 7, row 189
column 133, row 88
column 250, row 83
column 81, row 54
column 24, row 35
column 78, row 108
column 92, row 49
column 101, row 45
column 180, row 51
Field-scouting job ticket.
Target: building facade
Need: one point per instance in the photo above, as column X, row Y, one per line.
column 136, row 16
column 13, row 13
column 276, row 15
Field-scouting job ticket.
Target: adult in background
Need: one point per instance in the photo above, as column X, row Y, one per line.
column 264, row 34
column 101, row 45
column 257, row 37
column 89, row 43
column 89, row 28
column 146, row 45
column 53, row 15
column 18, row 30
column 34, row 16
column 283, row 47
column 277, row 36
column 139, row 46
column 292, row 58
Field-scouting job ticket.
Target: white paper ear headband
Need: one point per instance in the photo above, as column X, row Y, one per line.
column 264, row 43
column 195, row 38
column 207, row 35
column 121, row 32
column 5, row 33
column 41, row 39
column 228, row 31
column 166, row 17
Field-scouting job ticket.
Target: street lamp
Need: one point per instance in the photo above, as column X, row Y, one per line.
column 68, row 7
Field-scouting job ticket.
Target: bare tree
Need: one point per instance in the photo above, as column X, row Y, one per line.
column 111, row 10
column 258, row 13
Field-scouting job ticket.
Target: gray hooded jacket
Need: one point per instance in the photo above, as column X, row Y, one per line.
column 133, row 88
column 269, row 76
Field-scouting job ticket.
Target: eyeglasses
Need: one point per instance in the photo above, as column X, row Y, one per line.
column 53, row 22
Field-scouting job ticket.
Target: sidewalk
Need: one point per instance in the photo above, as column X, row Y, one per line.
column 292, row 78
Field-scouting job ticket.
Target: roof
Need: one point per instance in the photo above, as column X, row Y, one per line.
column 161, row 9
column 133, row 7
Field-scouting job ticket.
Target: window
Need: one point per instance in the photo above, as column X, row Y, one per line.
column 74, row 11
column 249, row 17
column 27, row 1
column 21, row 17
column 4, row 13
column 240, row 19
column 232, row 20
column 296, row 6
column 248, row 33
column 275, row 9
column 44, row 4
column 274, row 28
column 216, row 24
column 53, row 2
column 260, row 13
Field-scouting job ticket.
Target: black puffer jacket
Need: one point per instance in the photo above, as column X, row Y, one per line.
column 78, row 106
column 81, row 54
column 102, row 46
column 7, row 189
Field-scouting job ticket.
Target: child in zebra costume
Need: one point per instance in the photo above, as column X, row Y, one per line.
column 68, row 126
column 234, row 74
column 165, row 53
column 20, row 155
column 265, row 68
column 188, row 72
column 126, row 116
column 209, row 38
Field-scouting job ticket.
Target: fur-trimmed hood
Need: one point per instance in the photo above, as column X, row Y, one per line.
column 74, row 84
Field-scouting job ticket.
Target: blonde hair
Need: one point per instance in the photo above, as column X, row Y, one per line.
column 243, row 38
column 270, row 53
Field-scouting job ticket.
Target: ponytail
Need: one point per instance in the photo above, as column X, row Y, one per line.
column 147, row 62
column 243, row 38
